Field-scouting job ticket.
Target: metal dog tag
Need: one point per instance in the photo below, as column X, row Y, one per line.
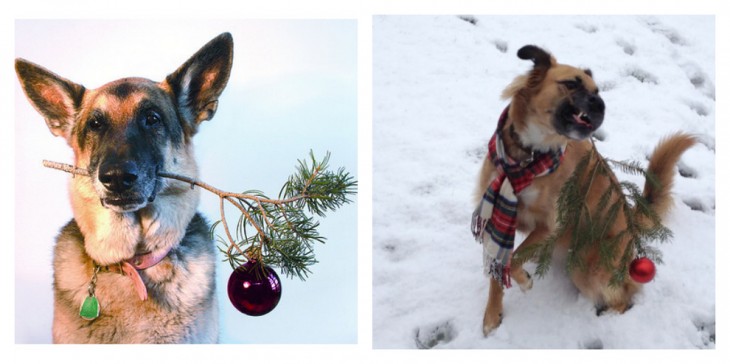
column 89, row 308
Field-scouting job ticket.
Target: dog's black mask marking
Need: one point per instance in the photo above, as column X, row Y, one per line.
column 127, row 171
column 126, row 152
column 581, row 114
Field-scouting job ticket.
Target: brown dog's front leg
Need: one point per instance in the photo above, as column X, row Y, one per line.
column 493, row 312
column 518, row 274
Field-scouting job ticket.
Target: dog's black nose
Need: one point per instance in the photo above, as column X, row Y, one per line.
column 118, row 177
column 595, row 103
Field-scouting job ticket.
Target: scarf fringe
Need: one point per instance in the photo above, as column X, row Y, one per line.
column 497, row 270
column 478, row 225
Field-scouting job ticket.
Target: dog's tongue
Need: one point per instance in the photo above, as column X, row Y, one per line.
column 579, row 120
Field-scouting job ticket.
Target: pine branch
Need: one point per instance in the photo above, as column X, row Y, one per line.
column 276, row 232
column 592, row 229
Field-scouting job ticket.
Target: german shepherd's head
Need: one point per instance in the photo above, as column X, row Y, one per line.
column 553, row 102
column 128, row 130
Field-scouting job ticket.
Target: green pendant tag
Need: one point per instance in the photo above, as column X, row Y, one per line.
column 89, row 308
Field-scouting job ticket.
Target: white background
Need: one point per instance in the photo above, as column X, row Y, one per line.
column 362, row 11
column 292, row 88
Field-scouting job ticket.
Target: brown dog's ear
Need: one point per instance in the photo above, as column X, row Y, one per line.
column 539, row 56
column 55, row 97
column 198, row 83
column 524, row 88
column 542, row 62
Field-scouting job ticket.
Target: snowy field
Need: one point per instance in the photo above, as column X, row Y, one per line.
column 436, row 87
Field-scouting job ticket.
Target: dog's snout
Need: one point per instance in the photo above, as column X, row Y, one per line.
column 596, row 104
column 118, row 177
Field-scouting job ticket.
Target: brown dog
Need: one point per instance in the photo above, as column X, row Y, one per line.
column 127, row 219
column 554, row 109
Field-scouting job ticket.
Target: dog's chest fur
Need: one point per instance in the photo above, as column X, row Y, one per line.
column 537, row 203
column 169, row 315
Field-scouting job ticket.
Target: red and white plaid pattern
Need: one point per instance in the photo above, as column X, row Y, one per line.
column 496, row 214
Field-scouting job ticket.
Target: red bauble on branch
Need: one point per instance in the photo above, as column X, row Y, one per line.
column 253, row 290
column 642, row 270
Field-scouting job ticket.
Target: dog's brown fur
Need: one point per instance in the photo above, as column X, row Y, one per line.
column 537, row 99
column 124, row 133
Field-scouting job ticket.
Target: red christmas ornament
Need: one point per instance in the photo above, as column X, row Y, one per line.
column 254, row 291
column 642, row 270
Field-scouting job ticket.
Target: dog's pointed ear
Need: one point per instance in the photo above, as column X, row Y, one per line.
column 540, row 57
column 198, row 83
column 53, row 96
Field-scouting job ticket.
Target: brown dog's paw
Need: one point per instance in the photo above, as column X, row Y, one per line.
column 618, row 307
column 525, row 283
column 491, row 322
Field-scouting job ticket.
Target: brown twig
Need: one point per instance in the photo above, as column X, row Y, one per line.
column 223, row 195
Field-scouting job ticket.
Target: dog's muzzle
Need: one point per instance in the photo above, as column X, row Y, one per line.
column 580, row 117
column 125, row 186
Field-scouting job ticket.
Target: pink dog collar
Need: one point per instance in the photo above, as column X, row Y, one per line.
column 132, row 266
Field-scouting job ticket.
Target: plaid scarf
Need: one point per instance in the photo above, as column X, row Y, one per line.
column 496, row 214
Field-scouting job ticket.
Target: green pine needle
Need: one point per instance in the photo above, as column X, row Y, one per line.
column 282, row 233
column 593, row 230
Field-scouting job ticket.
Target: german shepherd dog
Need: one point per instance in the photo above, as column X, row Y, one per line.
column 136, row 243
column 558, row 107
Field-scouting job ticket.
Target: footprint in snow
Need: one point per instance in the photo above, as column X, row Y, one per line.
column 427, row 337
column 592, row 344
column 698, row 108
column 671, row 34
column 685, row 170
column 707, row 140
column 424, row 189
column 477, row 154
column 707, row 330
column 588, row 28
column 699, row 79
column 501, row 45
column 641, row 75
column 469, row 19
column 627, row 47
column 696, row 204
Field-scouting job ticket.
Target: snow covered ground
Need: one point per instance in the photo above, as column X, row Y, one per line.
column 436, row 87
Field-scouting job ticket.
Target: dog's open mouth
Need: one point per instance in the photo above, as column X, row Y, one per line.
column 581, row 118
column 576, row 118
column 577, row 122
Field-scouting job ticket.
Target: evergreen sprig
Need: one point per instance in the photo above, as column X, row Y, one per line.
column 279, row 232
column 591, row 228
column 275, row 232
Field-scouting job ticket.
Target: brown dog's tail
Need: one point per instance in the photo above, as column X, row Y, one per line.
column 661, row 166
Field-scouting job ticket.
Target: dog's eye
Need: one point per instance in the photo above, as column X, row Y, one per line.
column 570, row 84
column 152, row 118
column 96, row 123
